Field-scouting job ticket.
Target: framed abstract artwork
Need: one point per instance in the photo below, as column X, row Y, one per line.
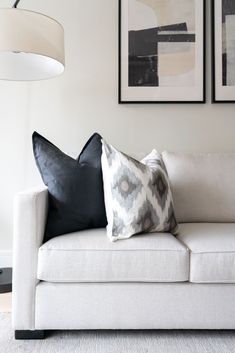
column 223, row 51
column 161, row 51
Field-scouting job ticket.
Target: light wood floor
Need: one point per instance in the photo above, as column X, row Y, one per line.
column 5, row 302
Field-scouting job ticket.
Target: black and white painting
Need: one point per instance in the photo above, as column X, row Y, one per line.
column 223, row 13
column 161, row 51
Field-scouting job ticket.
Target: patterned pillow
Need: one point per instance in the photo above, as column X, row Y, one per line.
column 137, row 194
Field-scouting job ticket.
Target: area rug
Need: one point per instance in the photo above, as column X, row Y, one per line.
column 119, row 341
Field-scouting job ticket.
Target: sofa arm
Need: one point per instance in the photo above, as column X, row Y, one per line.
column 30, row 213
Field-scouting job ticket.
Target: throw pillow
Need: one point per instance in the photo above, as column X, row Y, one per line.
column 137, row 194
column 76, row 199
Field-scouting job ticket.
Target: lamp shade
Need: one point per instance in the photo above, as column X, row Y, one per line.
column 31, row 46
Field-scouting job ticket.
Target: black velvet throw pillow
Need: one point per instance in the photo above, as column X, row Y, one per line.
column 76, row 197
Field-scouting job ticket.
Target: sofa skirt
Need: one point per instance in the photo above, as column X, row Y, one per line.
column 134, row 306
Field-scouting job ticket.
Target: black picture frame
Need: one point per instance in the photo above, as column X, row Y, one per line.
column 215, row 22
column 203, row 88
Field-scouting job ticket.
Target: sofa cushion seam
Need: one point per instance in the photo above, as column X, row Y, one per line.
column 122, row 250
column 212, row 252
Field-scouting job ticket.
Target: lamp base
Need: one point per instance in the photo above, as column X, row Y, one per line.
column 5, row 280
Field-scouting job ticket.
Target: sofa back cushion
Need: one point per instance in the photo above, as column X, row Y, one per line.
column 203, row 186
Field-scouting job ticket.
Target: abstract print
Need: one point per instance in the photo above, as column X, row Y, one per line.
column 228, row 42
column 161, row 43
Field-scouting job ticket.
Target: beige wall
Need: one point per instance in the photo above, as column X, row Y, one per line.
column 70, row 108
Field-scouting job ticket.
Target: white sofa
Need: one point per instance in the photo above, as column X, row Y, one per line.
column 151, row 281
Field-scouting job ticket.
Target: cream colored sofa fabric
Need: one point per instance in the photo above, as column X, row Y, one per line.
column 50, row 281
column 203, row 186
column 212, row 251
column 89, row 256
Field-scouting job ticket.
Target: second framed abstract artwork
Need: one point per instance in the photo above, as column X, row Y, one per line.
column 161, row 51
column 223, row 53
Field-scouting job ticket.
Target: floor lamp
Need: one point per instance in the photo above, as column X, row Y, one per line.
column 31, row 49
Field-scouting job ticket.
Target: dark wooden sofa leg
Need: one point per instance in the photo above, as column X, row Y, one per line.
column 29, row 335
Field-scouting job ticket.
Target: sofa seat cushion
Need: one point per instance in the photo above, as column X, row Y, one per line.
column 212, row 251
column 89, row 256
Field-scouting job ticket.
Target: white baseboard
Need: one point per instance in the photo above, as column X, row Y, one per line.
column 5, row 258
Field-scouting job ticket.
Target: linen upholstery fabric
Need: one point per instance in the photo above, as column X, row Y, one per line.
column 89, row 256
column 203, row 186
column 137, row 195
column 75, row 187
column 212, row 251
column 45, row 305
column 30, row 213
column 134, row 306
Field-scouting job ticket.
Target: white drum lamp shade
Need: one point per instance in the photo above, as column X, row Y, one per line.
column 31, row 46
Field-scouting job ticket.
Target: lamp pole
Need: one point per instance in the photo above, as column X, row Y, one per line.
column 6, row 273
column 26, row 64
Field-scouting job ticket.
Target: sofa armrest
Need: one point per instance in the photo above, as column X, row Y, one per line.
column 30, row 213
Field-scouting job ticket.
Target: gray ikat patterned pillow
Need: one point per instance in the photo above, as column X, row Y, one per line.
column 137, row 194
